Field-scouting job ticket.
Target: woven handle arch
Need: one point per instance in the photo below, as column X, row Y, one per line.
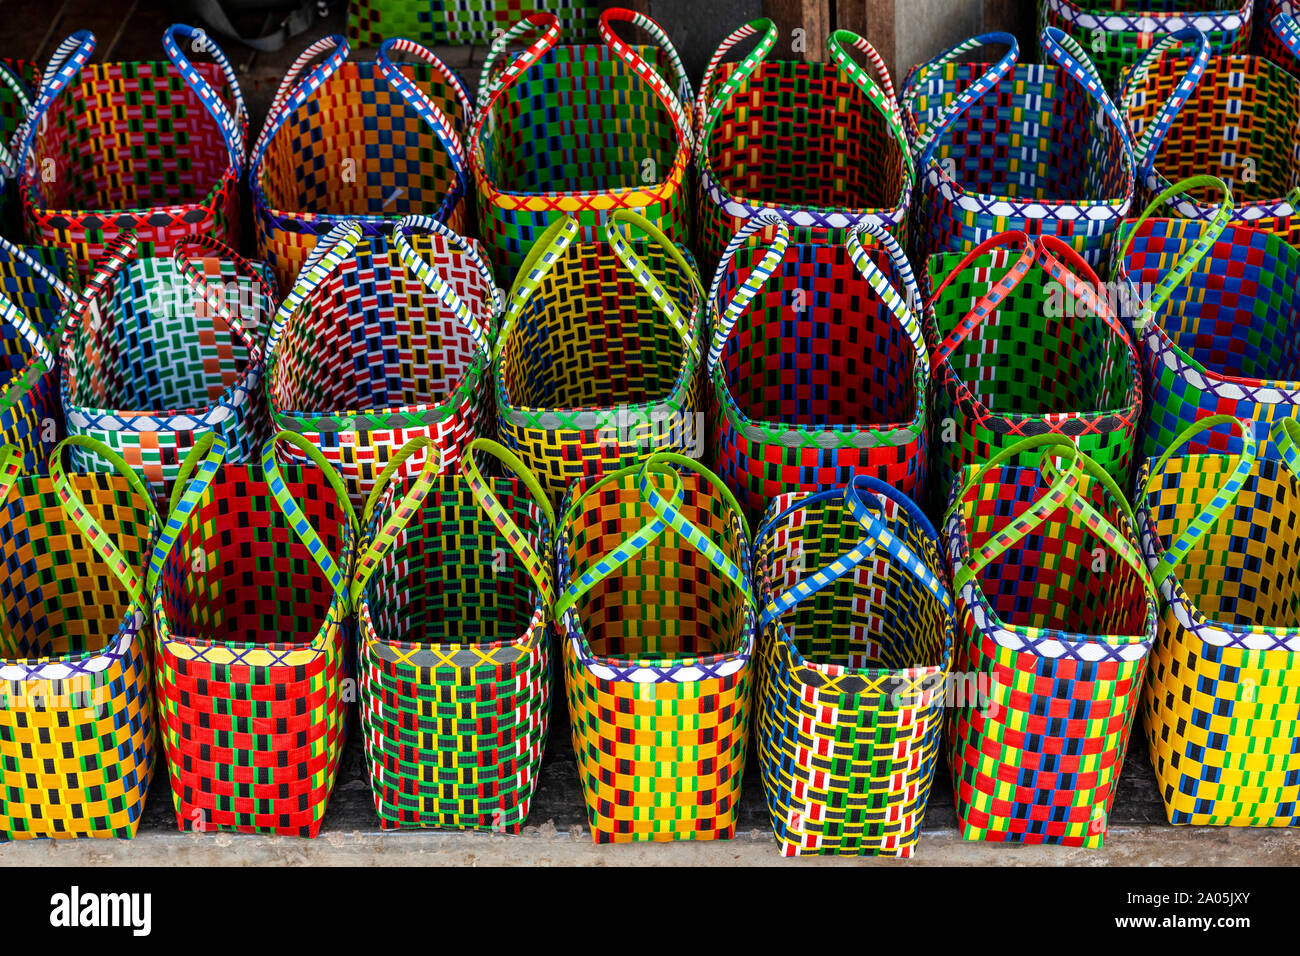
column 8, row 162
column 1148, row 144
column 333, row 248
column 645, row 277
column 928, row 139
column 708, row 110
column 233, row 128
column 293, row 91
column 881, row 95
column 12, row 314
column 116, row 255
column 675, row 101
column 989, row 302
column 757, row 278
column 493, row 84
column 418, row 100
column 64, row 66
column 440, row 287
column 61, row 289
column 213, row 299
column 538, row 262
column 908, row 310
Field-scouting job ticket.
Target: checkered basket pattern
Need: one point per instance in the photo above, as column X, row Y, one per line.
column 1024, row 343
column 600, row 353
column 657, row 623
column 253, row 639
column 1219, row 533
column 17, row 79
column 453, row 597
column 1119, row 33
column 821, row 145
column 459, row 22
column 579, row 130
column 76, row 714
column 1057, row 615
column 1231, row 117
column 156, row 355
column 384, row 339
column 856, row 637
column 817, row 362
column 1037, row 148
column 1217, row 331
column 367, row 141
column 155, row 148
column 1272, row 43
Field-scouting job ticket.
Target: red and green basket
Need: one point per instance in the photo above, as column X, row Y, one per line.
column 459, row 22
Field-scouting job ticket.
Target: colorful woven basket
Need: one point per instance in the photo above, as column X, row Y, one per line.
column 154, row 357
column 657, row 608
column 1118, row 33
column 579, row 130
column 1270, row 32
column 1038, row 148
column 818, row 364
column 253, row 639
column 1024, row 342
column 1222, row 725
column 855, row 648
column 459, row 22
column 819, row 144
column 369, row 142
column 152, row 148
column 1227, row 117
column 1052, row 645
column 600, row 353
column 453, row 596
column 1217, row 328
column 17, row 80
column 382, row 340
column 76, row 717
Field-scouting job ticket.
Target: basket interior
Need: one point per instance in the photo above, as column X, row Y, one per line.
column 60, row 598
column 591, row 337
column 668, row 602
column 373, row 336
column 875, row 617
column 158, row 347
column 238, row 574
column 1062, row 576
column 803, row 134
column 1243, row 571
column 355, row 148
column 1041, row 352
column 451, row 577
column 580, row 120
column 817, row 346
column 170, row 152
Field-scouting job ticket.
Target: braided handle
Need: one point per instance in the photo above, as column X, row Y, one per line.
column 757, row 278
column 989, row 302
column 440, row 287
column 539, row 261
column 707, row 111
column 1148, row 144
column 291, row 93
column 233, row 128
column 645, row 276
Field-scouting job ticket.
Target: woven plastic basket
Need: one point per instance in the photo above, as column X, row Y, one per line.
column 154, row 357
column 1228, row 117
column 382, row 340
column 1025, row 342
column 253, row 639
column 1038, row 148
column 1272, row 44
column 1219, row 535
column 76, row 715
column 855, row 648
column 453, row 595
column 579, row 130
column 459, row 22
column 657, row 610
column 600, row 353
column 367, row 141
column 819, row 144
column 1217, row 331
column 17, row 80
column 152, row 148
column 817, row 362
column 1057, row 615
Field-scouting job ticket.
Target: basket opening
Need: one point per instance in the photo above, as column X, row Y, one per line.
column 808, row 137
column 451, row 577
column 668, row 603
column 590, row 337
column 817, row 346
column 1062, row 576
column 1243, row 571
column 238, row 574
column 60, row 598
column 355, row 148
column 580, row 120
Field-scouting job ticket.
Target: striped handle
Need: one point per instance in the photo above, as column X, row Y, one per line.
column 336, row 246
column 492, row 84
column 8, row 164
column 707, row 110
column 234, row 129
column 882, row 95
column 728, row 316
column 64, row 291
column 64, row 66
column 1065, row 266
column 193, row 477
column 1287, row 29
column 11, row 469
column 989, row 302
column 907, row 311
column 414, row 97
column 440, row 287
column 645, row 276
column 539, row 261
column 929, row 138
column 13, row 315
column 1149, row 140
column 291, row 93
column 213, row 296
column 119, row 252
column 674, row 101
column 1071, row 57
column 1286, row 437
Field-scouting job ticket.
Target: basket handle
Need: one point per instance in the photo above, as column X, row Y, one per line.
column 1287, row 29
column 882, row 95
column 64, row 66
column 1223, row 497
column 541, row 258
column 333, row 248
column 755, row 281
column 233, row 128
column 12, row 314
column 196, row 472
column 1070, row 56
column 440, row 287
column 492, row 84
column 674, row 101
column 929, row 139
column 707, row 111
column 120, row 251
column 11, row 468
column 215, row 301
column 1286, row 436
column 904, row 310
column 94, row 533
column 291, row 93
column 418, row 100
column 988, row 304
column 1148, row 142
column 1082, row 282
column 8, row 164
column 645, row 276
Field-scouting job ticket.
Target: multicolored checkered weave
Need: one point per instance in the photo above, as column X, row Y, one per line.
column 1272, row 44
column 855, row 647
column 459, row 22
column 658, row 619
column 76, row 715
column 17, row 79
